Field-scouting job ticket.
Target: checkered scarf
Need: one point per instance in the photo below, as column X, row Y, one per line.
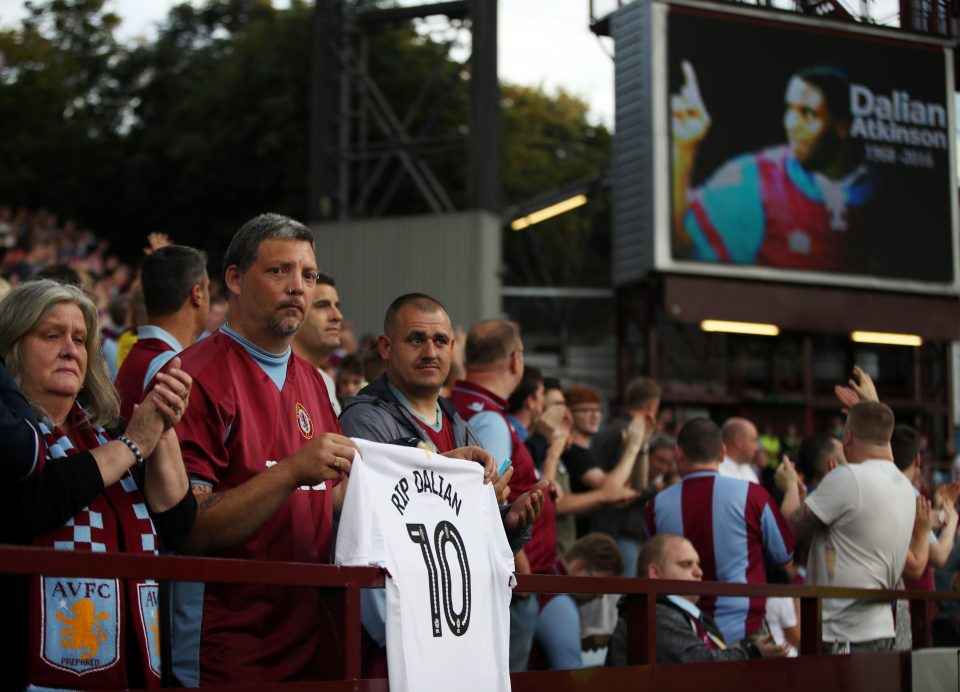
column 116, row 521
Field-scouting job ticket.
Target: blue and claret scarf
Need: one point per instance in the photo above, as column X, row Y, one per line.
column 78, row 635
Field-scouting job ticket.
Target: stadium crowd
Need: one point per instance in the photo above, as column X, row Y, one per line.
column 139, row 405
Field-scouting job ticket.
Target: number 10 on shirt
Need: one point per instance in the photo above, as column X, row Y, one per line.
column 445, row 533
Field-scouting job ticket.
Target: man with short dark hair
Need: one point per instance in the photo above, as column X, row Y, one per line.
column 416, row 345
column 263, row 450
column 641, row 401
column 860, row 522
column 927, row 550
column 320, row 334
column 494, row 362
column 685, row 634
column 176, row 293
column 594, row 555
column 349, row 378
column 537, row 424
column 404, row 407
column 820, row 453
column 733, row 524
column 526, row 402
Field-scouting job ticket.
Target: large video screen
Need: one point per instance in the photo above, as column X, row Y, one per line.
column 798, row 148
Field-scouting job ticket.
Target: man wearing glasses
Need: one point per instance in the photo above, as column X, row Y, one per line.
column 586, row 468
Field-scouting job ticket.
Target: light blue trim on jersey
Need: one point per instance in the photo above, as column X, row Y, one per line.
column 494, row 434
column 156, row 365
column 667, row 511
column 774, row 547
column 274, row 365
column 152, row 331
column 729, row 504
column 186, row 622
column 732, row 201
column 558, row 633
column 373, row 614
column 437, row 427
column 519, row 428
column 110, row 351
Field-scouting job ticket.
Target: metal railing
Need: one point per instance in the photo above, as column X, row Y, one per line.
column 340, row 599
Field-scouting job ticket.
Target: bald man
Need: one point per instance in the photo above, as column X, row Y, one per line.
column 685, row 634
column 740, row 442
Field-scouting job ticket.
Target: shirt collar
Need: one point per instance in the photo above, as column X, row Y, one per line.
column 474, row 389
column 685, row 605
column 152, row 331
column 405, row 402
column 257, row 352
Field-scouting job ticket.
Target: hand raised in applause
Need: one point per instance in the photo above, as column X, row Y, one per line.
column 161, row 409
column 948, row 493
column 547, row 422
column 859, row 388
column 786, row 474
column 502, row 486
column 923, row 521
column 526, row 509
column 639, row 431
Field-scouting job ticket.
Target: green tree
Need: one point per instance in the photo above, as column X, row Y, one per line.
column 60, row 105
column 207, row 124
column 220, row 108
column 548, row 144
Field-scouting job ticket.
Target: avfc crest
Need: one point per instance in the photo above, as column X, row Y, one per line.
column 80, row 624
column 304, row 422
column 149, row 607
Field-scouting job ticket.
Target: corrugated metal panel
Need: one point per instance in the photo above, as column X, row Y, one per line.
column 589, row 365
column 455, row 258
column 633, row 144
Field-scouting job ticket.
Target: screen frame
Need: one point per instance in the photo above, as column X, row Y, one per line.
column 663, row 261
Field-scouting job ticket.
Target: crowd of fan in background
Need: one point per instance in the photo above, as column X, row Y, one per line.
column 589, row 455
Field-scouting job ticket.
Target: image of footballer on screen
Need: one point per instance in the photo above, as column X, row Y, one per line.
column 797, row 205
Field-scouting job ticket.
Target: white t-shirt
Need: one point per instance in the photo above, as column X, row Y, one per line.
column 436, row 528
column 781, row 613
column 731, row 469
column 331, row 390
column 869, row 509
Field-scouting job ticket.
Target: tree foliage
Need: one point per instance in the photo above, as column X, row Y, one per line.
column 548, row 144
column 60, row 105
column 207, row 123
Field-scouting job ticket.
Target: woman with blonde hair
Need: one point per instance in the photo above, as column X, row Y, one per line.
column 90, row 488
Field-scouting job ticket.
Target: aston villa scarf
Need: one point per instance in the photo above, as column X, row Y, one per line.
column 78, row 625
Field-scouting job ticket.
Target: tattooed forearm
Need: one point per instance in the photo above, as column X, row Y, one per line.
column 209, row 501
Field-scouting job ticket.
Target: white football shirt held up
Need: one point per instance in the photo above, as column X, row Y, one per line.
column 433, row 525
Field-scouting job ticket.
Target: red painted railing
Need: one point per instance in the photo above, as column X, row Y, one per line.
column 340, row 605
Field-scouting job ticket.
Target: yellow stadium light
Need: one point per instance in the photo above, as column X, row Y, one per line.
column 548, row 212
column 886, row 338
column 754, row 328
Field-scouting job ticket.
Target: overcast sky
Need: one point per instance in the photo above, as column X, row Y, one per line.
column 542, row 42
